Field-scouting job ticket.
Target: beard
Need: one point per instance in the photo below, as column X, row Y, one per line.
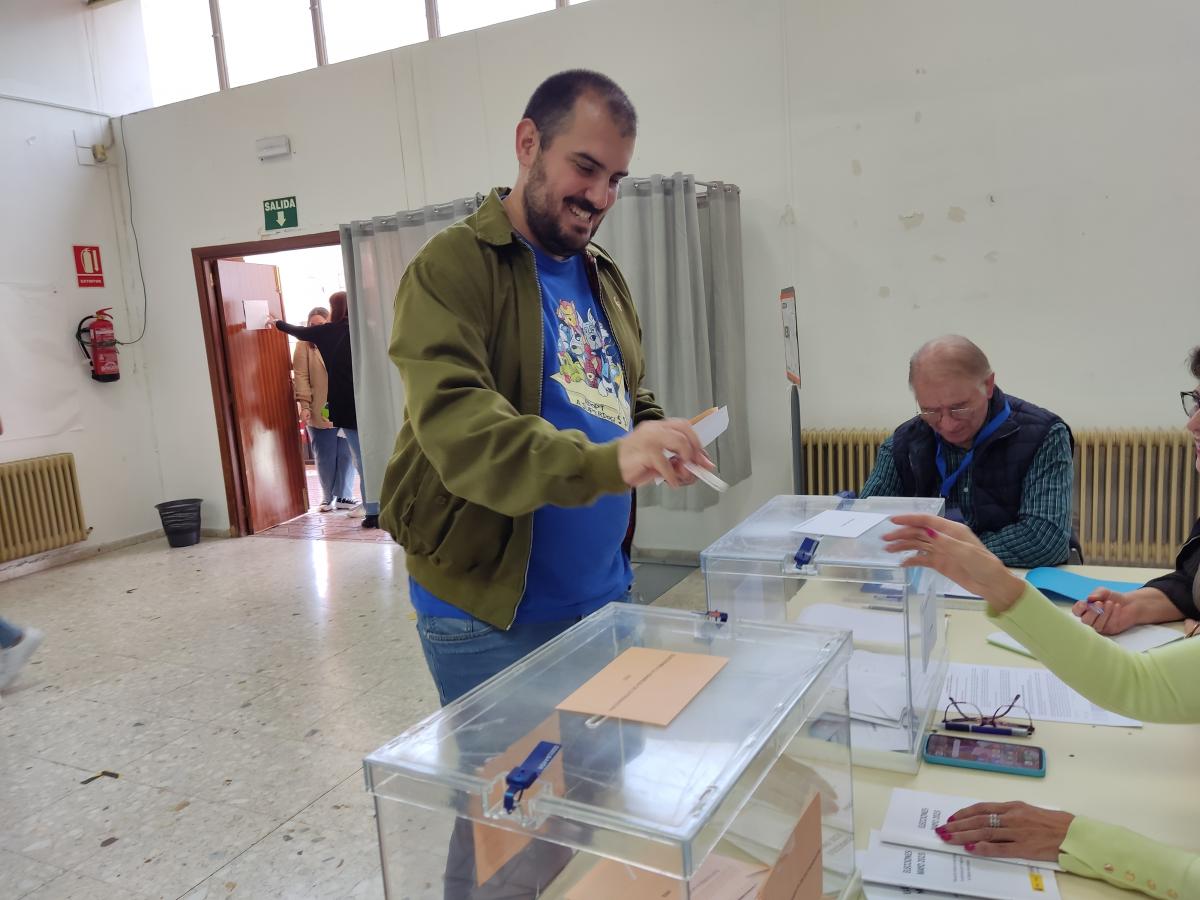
column 543, row 215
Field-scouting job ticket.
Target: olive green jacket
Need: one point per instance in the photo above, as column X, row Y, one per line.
column 474, row 458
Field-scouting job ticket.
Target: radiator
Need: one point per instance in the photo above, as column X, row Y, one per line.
column 39, row 506
column 839, row 459
column 1137, row 493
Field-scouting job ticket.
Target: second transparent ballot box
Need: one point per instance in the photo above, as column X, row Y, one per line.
column 642, row 753
column 820, row 561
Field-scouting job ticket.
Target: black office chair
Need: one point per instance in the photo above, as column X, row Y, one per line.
column 1074, row 550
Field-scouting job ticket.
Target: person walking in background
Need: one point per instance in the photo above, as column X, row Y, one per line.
column 333, row 341
column 335, row 465
column 16, row 646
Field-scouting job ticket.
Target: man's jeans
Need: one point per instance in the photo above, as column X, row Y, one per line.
column 464, row 653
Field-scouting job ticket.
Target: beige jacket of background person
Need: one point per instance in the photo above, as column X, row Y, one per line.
column 311, row 382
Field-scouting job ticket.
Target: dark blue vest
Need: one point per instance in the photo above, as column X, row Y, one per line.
column 998, row 469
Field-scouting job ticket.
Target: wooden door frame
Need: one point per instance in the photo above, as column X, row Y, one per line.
column 212, row 321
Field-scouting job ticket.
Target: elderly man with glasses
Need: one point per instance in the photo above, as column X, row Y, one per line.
column 1003, row 464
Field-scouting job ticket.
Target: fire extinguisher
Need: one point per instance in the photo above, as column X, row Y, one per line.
column 102, row 341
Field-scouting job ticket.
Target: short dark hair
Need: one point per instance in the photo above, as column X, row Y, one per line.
column 1194, row 362
column 553, row 103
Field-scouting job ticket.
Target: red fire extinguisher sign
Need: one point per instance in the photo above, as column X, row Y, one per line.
column 88, row 269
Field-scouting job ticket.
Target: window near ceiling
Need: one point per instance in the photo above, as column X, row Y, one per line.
column 356, row 28
column 463, row 15
column 270, row 38
column 266, row 38
column 179, row 49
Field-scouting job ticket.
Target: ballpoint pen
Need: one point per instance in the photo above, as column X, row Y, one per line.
column 1008, row 730
column 1094, row 607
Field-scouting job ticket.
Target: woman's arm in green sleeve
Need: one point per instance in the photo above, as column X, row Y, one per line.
column 1129, row 860
column 1158, row 686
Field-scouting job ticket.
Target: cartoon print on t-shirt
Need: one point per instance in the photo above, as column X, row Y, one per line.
column 588, row 366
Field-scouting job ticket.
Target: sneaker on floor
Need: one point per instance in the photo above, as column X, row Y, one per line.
column 326, row 506
column 358, row 512
column 343, row 503
column 13, row 658
column 370, row 521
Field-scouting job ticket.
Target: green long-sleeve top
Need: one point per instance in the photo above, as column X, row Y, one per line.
column 1158, row 686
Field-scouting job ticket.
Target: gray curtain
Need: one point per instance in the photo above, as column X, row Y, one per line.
column 679, row 245
column 376, row 252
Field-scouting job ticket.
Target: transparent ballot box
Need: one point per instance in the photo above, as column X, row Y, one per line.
column 682, row 764
column 775, row 567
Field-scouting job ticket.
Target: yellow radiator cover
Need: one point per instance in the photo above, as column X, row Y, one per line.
column 40, row 508
column 1137, row 492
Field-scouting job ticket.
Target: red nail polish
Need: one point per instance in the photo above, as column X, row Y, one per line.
column 970, row 848
column 931, row 532
column 951, row 819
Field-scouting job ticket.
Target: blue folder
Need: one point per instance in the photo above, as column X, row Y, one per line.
column 1059, row 585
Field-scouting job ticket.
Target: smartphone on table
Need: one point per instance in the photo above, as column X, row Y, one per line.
column 991, row 756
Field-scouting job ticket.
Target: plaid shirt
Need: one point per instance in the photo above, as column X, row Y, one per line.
column 1042, row 533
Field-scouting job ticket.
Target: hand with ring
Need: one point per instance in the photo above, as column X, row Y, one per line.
column 1015, row 830
column 952, row 549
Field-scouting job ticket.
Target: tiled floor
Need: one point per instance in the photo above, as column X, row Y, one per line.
column 334, row 525
column 234, row 686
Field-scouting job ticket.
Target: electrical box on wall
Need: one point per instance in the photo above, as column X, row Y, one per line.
column 273, row 147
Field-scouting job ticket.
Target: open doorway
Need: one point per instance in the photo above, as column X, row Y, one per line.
column 264, row 447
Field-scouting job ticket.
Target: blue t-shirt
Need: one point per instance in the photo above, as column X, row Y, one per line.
column 576, row 563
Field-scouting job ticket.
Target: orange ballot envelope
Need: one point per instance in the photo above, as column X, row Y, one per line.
column 645, row 685
column 796, row 875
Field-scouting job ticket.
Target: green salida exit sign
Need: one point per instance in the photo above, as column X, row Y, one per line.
column 280, row 213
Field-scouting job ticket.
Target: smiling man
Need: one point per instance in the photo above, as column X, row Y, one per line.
column 1003, row 464
column 527, row 426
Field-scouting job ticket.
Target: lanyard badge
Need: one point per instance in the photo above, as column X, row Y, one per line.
column 984, row 433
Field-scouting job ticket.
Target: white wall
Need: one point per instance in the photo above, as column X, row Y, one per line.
column 58, row 51
column 1065, row 135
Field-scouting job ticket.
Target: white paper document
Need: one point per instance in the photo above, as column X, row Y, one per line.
column 712, row 426
column 954, row 589
column 873, row 736
column 870, row 626
column 1046, row 696
column 1137, row 639
column 840, row 523
column 878, row 687
column 912, row 817
column 889, row 892
column 256, row 314
column 968, row 876
column 707, row 430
